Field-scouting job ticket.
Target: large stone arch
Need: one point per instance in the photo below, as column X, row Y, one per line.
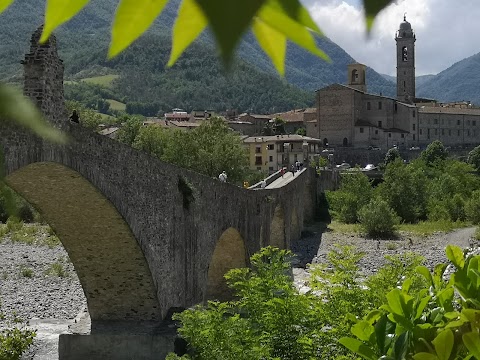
column 277, row 228
column 109, row 263
column 229, row 253
column 295, row 229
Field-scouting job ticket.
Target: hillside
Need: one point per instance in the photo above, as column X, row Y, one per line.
column 458, row 82
column 198, row 81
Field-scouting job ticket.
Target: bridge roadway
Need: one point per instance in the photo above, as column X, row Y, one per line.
column 284, row 180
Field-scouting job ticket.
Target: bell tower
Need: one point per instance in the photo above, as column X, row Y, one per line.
column 356, row 77
column 405, row 38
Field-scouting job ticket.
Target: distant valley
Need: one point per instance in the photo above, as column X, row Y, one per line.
column 198, row 81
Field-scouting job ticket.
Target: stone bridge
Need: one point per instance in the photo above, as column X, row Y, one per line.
column 145, row 237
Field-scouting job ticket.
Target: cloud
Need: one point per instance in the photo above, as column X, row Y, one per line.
column 445, row 31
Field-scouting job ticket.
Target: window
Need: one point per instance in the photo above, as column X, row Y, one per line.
column 270, row 158
column 271, row 147
column 379, row 105
column 395, row 107
column 368, row 105
column 428, row 133
column 258, row 160
column 413, row 136
column 413, row 127
column 413, row 114
column 474, row 123
column 435, row 121
column 403, row 136
column 361, row 130
column 468, row 132
column 379, row 124
column 404, row 53
column 421, row 131
column 458, row 132
column 458, row 122
column 376, row 132
column 389, row 134
column 258, row 150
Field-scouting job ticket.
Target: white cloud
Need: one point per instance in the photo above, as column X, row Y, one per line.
column 445, row 30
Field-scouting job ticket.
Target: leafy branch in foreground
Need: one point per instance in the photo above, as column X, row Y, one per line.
column 273, row 23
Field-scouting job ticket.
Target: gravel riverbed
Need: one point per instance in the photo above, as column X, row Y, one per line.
column 30, row 288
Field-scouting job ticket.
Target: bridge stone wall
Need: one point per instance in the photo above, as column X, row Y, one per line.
column 163, row 224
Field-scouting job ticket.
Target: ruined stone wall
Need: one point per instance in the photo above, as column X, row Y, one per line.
column 44, row 78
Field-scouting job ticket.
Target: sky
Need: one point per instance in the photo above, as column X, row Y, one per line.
column 446, row 31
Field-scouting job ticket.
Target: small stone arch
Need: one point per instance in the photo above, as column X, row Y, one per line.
column 354, row 76
column 345, row 142
column 277, row 228
column 229, row 253
column 110, row 264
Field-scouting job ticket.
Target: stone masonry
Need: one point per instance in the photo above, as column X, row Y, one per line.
column 145, row 236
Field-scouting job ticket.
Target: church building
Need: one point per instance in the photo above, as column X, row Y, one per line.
column 347, row 115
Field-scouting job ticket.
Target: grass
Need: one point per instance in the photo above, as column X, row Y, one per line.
column 57, row 269
column 116, row 105
column 30, row 234
column 104, row 80
column 26, row 272
column 423, row 228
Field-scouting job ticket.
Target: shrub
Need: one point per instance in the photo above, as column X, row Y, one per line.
column 434, row 153
column 474, row 158
column 14, row 224
column 26, row 272
column 14, row 342
column 472, row 208
column 377, row 218
column 56, row 269
column 392, row 155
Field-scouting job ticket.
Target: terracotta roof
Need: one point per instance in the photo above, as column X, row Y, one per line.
column 283, row 138
column 186, row 124
column 257, row 116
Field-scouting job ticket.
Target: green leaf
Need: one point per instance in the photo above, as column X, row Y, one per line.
column 443, row 344
column 424, row 356
column 372, row 8
column 455, row 255
column 296, row 11
column 272, row 42
column 229, row 19
column 399, row 302
column 293, row 30
column 4, row 4
column 132, row 19
column 401, row 346
column 358, row 348
column 58, row 12
column 15, row 107
column 423, row 270
column 407, row 284
column 473, row 272
column 445, row 297
column 421, row 306
column 189, row 24
column 383, row 328
column 362, row 330
column 472, row 343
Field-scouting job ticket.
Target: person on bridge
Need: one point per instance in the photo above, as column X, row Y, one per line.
column 74, row 117
column 223, row 177
column 263, row 184
column 282, row 171
column 293, row 170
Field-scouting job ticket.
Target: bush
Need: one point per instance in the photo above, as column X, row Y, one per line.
column 377, row 218
column 392, row 155
column 434, row 153
column 472, row 208
column 474, row 158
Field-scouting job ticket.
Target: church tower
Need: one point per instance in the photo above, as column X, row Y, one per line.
column 405, row 39
column 356, row 77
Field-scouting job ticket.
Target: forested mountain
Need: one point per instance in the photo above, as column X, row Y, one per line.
column 196, row 81
column 458, row 82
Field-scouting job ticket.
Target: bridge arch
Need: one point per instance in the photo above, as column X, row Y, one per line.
column 109, row 262
column 277, row 228
column 229, row 253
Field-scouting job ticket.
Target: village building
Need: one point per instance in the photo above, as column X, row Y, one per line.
column 271, row 153
column 297, row 119
column 348, row 116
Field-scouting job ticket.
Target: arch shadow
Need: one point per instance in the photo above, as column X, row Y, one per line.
column 229, row 253
column 110, row 264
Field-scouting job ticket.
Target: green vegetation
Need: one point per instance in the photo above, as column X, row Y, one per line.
column 31, row 234
column 377, row 219
column 270, row 319
column 474, row 158
column 104, row 80
column 57, row 269
column 438, row 320
column 26, row 272
column 209, row 149
column 116, row 105
column 15, row 340
column 444, row 191
column 392, row 155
